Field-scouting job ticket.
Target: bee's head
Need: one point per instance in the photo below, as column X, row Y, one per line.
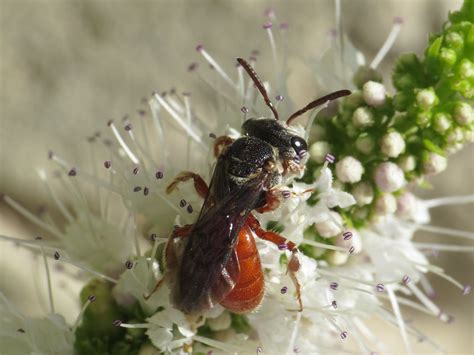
column 292, row 149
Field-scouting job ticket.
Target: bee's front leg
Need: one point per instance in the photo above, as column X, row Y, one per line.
column 220, row 144
column 199, row 184
column 283, row 244
column 273, row 198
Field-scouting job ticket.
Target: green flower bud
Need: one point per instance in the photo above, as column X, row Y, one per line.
column 454, row 41
column 392, row 144
column 463, row 113
column 442, row 122
column 407, row 163
column 318, row 151
column 466, row 69
column 402, row 100
column 447, row 57
column 423, row 118
column 362, row 117
column 434, row 163
column 455, row 136
column 426, row 99
column 365, row 144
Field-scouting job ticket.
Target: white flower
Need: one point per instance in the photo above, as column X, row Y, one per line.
column 349, row 169
column 406, row 205
column 407, row 163
column 331, row 226
column 389, row 177
column 463, row 113
column 434, row 164
column 374, row 93
column 20, row 334
column 442, row 122
column 392, row 144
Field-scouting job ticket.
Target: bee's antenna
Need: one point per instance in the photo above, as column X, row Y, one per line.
column 317, row 102
column 251, row 72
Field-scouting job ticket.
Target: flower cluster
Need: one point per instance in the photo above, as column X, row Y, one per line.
column 350, row 270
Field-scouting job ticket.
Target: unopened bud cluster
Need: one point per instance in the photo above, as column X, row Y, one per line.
column 382, row 142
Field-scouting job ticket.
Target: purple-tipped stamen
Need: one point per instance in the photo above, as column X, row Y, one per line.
column 283, row 290
column 330, row 158
column 92, row 298
column 137, row 189
column 380, row 287
column 347, row 235
column 129, row 264
column 333, row 286
column 182, row 203
column 56, row 255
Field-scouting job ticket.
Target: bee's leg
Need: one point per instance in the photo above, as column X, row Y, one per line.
column 220, row 144
column 170, row 255
column 273, row 198
column 199, row 184
column 283, row 244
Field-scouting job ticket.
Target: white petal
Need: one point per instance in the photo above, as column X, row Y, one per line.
column 339, row 198
column 324, row 181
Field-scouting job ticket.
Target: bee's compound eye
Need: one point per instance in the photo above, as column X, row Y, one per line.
column 299, row 145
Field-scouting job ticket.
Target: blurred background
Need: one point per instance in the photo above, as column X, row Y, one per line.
column 66, row 67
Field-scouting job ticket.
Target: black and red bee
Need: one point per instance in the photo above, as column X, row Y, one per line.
column 217, row 261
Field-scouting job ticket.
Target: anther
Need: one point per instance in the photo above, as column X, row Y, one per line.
column 380, row 287
column 286, row 194
column 466, row 290
column 20, row 330
column 279, row 98
column 347, row 235
column 212, row 135
column 146, row 191
column 182, row 203
column 244, row 109
column 351, row 249
column 283, row 290
column 56, row 255
column 135, row 170
column 189, row 209
column 72, row 172
column 333, row 286
column 117, row 322
column 92, row 298
column 137, row 189
column 107, row 164
column 330, row 158
column 267, row 25
column 282, row 246
column 192, row 66
column 406, row 279
column 199, row 47
column 343, row 335
column 153, row 237
column 128, row 127
column 334, row 304
column 159, row 175
column 129, row 264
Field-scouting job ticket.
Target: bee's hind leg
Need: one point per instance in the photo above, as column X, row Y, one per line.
column 170, row 258
column 283, row 244
column 199, row 184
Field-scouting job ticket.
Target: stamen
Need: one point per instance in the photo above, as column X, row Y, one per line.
column 398, row 315
column 229, row 348
column 81, row 313
column 217, row 67
column 135, row 325
column 179, row 120
column 313, row 116
column 122, row 143
column 333, row 286
column 268, row 27
column 30, row 216
column 423, row 299
column 294, row 334
column 446, row 231
column 451, row 200
column 324, row 246
column 187, row 105
column 445, row 247
column 57, row 201
column 48, row 279
column 283, row 290
column 392, row 36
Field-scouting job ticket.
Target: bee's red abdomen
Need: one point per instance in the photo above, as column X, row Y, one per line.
column 248, row 292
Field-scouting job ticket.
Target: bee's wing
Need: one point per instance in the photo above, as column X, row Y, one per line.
column 209, row 267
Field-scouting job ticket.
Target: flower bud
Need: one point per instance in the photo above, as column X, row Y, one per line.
column 349, row 169
column 386, row 204
column 406, row 205
column 355, row 241
column 362, row 117
column 318, row 151
column 330, row 227
column 434, row 164
column 374, row 93
column 392, row 144
column 442, row 122
column 389, row 177
column 221, row 322
column 454, row 40
column 407, row 163
column 455, row 136
column 337, row 258
column 363, row 193
column 466, row 69
column 365, row 144
column 426, row 99
column 447, row 56
column 463, row 113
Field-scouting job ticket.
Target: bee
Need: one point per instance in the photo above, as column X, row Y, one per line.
column 216, row 260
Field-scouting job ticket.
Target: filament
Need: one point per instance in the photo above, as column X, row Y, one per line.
column 392, row 36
